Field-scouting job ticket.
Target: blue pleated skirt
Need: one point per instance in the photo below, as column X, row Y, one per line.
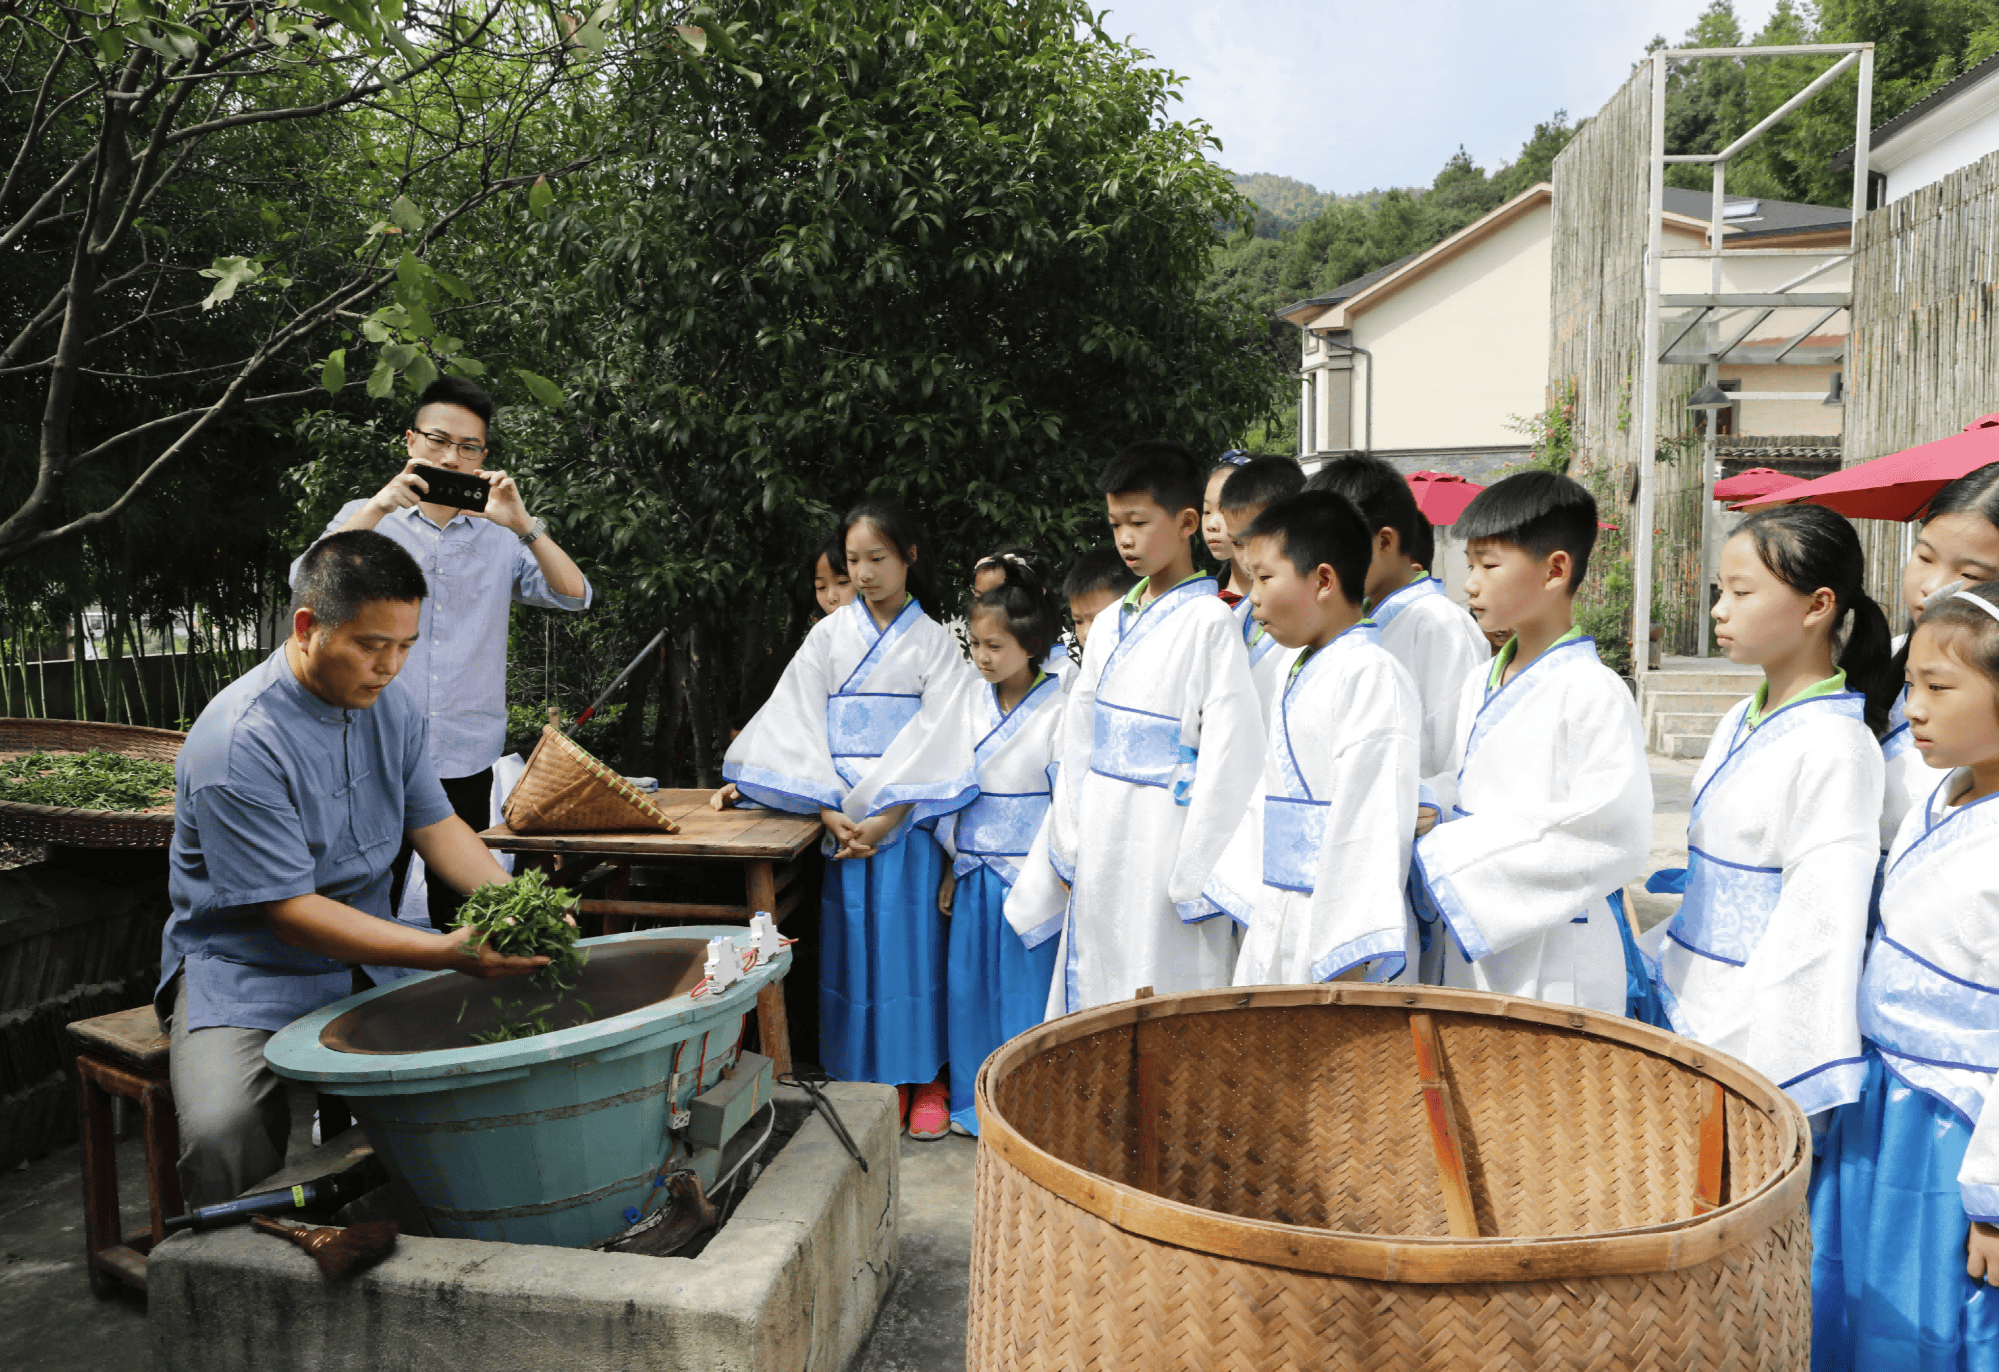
column 999, row 986
column 881, row 965
column 1889, row 1290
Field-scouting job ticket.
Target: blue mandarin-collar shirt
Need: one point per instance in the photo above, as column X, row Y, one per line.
column 457, row 673
column 278, row 794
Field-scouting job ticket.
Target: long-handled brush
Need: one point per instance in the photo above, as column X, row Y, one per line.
column 340, row 1253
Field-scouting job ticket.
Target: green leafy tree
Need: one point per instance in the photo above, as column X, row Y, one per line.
column 946, row 252
column 201, row 195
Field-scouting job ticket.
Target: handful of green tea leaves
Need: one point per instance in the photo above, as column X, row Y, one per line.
column 526, row 918
column 95, row 780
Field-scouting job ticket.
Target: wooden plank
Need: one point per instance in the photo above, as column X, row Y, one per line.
column 779, row 837
column 663, row 909
column 1443, row 1120
column 1714, row 1148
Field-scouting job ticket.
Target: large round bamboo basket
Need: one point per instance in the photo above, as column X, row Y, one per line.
column 87, row 828
column 1381, row 1177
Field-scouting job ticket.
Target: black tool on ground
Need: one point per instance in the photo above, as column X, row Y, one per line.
column 325, row 1194
column 462, row 490
column 598, row 703
column 810, row 1083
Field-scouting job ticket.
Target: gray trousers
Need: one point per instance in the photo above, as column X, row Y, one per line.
column 234, row 1114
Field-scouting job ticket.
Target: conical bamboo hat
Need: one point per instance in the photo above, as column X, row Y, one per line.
column 566, row 791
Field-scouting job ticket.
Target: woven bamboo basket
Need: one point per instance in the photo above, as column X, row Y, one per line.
column 1382, row 1177
column 87, row 828
column 566, row 791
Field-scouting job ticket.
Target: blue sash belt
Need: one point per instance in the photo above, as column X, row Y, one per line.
column 1727, row 907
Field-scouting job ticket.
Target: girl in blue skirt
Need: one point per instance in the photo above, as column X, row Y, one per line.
column 871, row 674
column 1000, row 741
column 1905, row 1199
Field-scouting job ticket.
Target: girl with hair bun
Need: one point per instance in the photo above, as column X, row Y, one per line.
column 1905, row 1200
column 1763, row 956
column 869, row 675
column 998, row 741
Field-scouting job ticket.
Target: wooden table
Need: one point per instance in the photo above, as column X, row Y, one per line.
column 772, row 849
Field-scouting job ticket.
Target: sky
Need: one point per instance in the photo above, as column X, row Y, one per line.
column 1350, row 95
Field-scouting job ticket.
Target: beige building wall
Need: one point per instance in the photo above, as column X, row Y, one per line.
column 1462, row 350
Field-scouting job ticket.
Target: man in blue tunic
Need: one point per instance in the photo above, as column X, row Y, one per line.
column 291, row 797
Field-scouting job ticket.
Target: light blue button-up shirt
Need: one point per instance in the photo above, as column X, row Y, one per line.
column 278, row 794
column 457, row 673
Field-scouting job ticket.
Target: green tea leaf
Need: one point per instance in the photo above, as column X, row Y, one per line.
column 333, row 375
column 542, row 389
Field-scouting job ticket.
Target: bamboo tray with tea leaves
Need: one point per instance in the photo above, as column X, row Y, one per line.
column 87, row 785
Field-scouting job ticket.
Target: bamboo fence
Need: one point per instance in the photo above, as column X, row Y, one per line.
column 1923, row 357
column 1597, row 329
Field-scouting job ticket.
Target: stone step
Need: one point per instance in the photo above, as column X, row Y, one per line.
column 1692, row 723
column 1734, row 683
column 1692, row 747
column 1717, row 703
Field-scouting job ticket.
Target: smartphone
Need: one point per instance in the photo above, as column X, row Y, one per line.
column 460, row 490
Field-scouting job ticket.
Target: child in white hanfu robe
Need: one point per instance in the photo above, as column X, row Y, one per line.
column 854, row 688
column 1763, row 956
column 1905, row 1197
column 1316, row 872
column 1249, row 489
column 1160, row 755
column 1547, row 811
column 1431, row 635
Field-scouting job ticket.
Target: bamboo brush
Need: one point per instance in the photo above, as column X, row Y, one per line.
column 340, row 1253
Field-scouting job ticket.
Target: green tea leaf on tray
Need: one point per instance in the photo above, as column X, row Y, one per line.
column 95, row 780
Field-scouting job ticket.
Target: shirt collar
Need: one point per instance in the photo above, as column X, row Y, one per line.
column 416, row 512
column 1758, row 703
column 293, row 690
column 1131, row 596
column 1505, row 655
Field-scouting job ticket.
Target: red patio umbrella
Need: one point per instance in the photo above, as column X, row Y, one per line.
column 1900, row 485
column 1757, row 481
column 1442, row 496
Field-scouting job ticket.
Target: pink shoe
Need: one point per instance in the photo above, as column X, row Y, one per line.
column 930, row 1112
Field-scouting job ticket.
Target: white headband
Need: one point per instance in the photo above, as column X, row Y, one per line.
column 1980, row 601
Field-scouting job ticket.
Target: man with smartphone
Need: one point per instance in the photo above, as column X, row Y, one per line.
column 479, row 559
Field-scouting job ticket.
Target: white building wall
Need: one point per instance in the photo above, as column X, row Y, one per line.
column 1462, row 350
column 1976, row 116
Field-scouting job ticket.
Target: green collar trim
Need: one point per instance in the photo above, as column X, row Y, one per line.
column 1131, row 596
column 1505, row 656
column 1759, row 708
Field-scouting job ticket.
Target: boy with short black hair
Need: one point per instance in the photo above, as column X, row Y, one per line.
column 1316, row 874
column 1250, row 489
column 1095, row 581
column 1548, row 809
column 1429, row 633
column 1161, row 753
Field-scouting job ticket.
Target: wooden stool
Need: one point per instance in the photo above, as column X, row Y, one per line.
column 124, row 1054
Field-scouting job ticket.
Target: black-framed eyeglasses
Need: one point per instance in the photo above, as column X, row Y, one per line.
column 437, row 442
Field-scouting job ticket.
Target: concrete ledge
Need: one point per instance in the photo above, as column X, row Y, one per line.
column 791, row 1283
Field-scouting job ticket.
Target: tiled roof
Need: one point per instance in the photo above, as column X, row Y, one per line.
column 1950, row 90
column 1353, row 287
column 1770, row 217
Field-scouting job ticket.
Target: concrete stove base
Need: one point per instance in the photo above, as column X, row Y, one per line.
column 790, row 1284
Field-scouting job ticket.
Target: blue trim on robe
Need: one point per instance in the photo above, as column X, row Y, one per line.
column 776, row 791
column 1384, row 947
column 1402, row 597
column 1498, row 704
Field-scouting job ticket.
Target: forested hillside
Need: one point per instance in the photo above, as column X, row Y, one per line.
column 1920, row 45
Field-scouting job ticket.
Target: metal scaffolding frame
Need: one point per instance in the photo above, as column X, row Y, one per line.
column 1715, row 307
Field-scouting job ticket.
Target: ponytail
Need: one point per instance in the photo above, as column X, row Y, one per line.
column 1810, row 548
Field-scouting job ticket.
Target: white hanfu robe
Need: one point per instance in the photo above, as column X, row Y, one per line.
column 848, row 693
column 1439, row 644
column 1763, row 958
column 1929, row 999
column 1264, row 668
column 1161, row 752
column 1548, row 813
column 1002, row 776
column 1316, row 873
column 1907, row 780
